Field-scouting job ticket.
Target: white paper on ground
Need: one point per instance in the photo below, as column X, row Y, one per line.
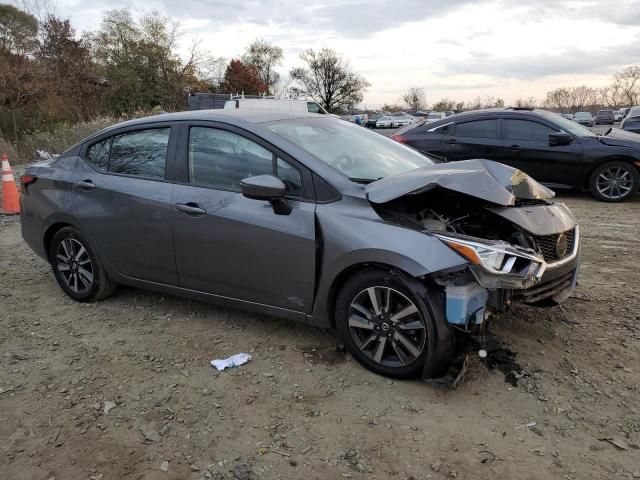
column 230, row 362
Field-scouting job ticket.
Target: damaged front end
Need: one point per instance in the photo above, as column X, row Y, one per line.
column 517, row 244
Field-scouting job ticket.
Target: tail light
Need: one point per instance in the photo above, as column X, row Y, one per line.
column 399, row 138
column 27, row 180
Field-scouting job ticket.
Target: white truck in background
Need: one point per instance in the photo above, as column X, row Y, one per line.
column 276, row 104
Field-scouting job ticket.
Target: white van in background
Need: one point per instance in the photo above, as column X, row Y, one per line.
column 276, row 104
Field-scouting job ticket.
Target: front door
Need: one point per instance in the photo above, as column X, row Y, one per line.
column 527, row 147
column 233, row 246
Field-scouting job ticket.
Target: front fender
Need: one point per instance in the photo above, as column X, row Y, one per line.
column 351, row 235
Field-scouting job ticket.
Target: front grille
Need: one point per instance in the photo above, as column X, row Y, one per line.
column 548, row 289
column 547, row 245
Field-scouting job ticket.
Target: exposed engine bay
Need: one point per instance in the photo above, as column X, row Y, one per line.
column 507, row 260
column 457, row 213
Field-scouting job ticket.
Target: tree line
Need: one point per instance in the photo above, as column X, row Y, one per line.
column 624, row 91
column 50, row 75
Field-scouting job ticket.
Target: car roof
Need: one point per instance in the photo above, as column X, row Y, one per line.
column 258, row 115
column 233, row 116
column 471, row 114
column 237, row 117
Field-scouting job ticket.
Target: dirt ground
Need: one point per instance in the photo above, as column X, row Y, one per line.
column 123, row 388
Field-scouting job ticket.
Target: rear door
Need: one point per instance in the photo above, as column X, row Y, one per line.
column 121, row 198
column 527, row 147
column 479, row 138
column 233, row 246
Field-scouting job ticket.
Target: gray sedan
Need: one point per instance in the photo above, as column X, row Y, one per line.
column 304, row 217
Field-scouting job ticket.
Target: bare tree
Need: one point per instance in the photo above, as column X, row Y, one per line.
column 583, row 96
column 628, row 83
column 487, row 101
column 446, row 104
column 328, row 79
column 415, row 98
column 558, row 99
column 572, row 98
column 264, row 57
column 529, row 102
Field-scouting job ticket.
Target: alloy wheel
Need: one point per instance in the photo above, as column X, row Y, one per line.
column 387, row 326
column 614, row 183
column 74, row 264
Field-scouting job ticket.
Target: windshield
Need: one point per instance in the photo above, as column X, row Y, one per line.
column 356, row 152
column 569, row 126
column 435, row 116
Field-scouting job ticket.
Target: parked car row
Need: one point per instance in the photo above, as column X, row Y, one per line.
column 552, row 149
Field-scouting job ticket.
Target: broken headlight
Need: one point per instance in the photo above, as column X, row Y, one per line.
column 498, row 264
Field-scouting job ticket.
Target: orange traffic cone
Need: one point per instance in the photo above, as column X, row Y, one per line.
column 10, row 198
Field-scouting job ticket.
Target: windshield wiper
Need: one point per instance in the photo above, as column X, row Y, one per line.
column 364, row 181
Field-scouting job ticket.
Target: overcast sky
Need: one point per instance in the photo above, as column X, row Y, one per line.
column 451, row 48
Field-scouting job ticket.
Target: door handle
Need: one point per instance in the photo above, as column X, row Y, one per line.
column 515, row 148
column 86, row 185
column 451, row 141
column 190, row 208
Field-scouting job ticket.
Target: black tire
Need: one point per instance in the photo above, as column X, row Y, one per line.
column 437, row 348
column 78, row 272
column 628, row 181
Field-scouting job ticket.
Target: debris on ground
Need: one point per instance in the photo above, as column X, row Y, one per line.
column 231, row 362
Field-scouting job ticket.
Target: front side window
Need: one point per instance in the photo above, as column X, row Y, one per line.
column 222, row 159
column 290, row 176
column 526, row 130
column 141, row 153
column 478, row 129
column 98, row 154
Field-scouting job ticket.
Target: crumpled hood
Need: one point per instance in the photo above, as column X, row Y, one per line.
column 621, row 138
column 484, row 179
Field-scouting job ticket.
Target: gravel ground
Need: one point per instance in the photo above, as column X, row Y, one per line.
column 123, row 388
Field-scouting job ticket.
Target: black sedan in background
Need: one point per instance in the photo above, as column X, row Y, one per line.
column 555, row 151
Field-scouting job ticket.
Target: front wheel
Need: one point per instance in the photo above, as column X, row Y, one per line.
column 389, row 328
column 614, row 181
column 77, row 268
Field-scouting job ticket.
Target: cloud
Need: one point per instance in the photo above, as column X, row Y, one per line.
column 350, row 18
column 569, row 61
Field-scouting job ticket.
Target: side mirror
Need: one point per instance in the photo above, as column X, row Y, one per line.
column 267, row 187
column 560, row 138
column 263, row 187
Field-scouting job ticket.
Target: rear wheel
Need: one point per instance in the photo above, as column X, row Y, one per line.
column 77, row 268
column 614, row 181
column 389, row 328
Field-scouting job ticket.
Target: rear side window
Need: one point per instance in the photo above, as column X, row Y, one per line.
column 478, row 129
column 526, row 130
column 141, row 153
column 98, row 154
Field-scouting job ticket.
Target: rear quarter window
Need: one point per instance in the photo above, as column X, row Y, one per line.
column 98, row 154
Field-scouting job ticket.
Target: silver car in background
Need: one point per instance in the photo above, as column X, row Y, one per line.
column 305, row 217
